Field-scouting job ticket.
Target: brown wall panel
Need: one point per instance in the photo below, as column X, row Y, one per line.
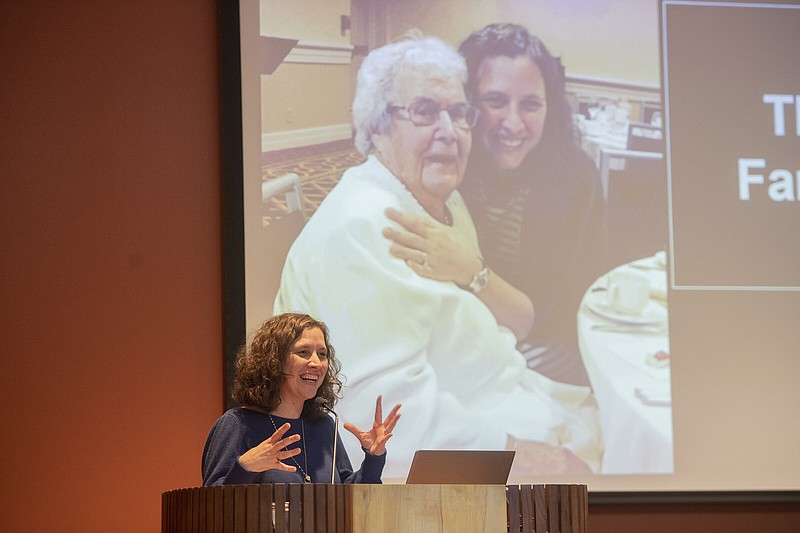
column 110, row 277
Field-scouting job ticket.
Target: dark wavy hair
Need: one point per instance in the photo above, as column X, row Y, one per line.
column 513, row 40
column 259, row 365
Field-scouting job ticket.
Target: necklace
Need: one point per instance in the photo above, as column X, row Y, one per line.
column 306, row 477
column 448, row 217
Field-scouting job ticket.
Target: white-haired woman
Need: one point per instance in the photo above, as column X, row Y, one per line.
column 438, row 347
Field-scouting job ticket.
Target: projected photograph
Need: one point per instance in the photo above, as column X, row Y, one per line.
column 474, row 200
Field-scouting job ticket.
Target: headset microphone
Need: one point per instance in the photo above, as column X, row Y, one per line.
column 322, row 402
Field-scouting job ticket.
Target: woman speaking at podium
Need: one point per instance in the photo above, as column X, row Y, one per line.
column 287, row 380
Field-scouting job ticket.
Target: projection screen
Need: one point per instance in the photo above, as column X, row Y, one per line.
column 689, row 114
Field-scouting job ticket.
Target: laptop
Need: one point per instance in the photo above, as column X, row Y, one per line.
column 460, row 467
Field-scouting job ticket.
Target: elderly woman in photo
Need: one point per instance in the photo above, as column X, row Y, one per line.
column 282, row 433
column 432, row 343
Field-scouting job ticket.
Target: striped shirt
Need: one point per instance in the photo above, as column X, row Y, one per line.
column 500, row 234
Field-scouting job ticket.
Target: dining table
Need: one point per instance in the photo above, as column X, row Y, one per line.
column 627, row 360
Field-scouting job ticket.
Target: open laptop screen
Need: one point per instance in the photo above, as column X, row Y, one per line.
column 472, row 467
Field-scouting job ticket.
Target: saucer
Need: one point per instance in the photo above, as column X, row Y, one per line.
column 653, row 312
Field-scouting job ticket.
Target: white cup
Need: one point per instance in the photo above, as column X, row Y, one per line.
column 627, row 292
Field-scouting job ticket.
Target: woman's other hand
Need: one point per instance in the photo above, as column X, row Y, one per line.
column 269, row 454
column 375, row 439
column 429, row 250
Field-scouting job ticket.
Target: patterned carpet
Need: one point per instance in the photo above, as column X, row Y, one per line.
column 318, row 173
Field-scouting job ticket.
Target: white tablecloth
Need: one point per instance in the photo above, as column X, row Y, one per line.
column 637, row 435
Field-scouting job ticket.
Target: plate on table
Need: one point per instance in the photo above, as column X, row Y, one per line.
column 653, row 312
column 654, row 262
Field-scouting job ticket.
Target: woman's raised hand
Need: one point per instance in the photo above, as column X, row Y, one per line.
column 429, row 250
column 269, row 454
column 375, row 438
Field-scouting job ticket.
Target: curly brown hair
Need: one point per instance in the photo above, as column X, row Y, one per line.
column 259, row 365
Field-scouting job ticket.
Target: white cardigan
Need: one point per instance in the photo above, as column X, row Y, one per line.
column 430, row 345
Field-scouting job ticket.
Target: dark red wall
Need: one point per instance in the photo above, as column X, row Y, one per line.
column 695, row 518
column 110, row 278
column 110, row 231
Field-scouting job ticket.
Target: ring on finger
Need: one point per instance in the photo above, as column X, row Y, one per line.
column 425, row 263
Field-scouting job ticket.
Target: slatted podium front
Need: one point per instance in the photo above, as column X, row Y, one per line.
column 323, row 508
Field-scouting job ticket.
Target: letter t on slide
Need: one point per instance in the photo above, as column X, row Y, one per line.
column 778, row 116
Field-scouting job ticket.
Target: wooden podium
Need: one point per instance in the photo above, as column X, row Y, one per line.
column 323, row 508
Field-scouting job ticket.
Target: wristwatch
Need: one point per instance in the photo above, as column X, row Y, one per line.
column 480, row 280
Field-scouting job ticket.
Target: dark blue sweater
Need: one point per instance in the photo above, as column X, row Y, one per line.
column 240, row 429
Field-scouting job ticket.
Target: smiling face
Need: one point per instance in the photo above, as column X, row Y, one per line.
column 511, row 97
column 429, row 160
column 305, row 368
